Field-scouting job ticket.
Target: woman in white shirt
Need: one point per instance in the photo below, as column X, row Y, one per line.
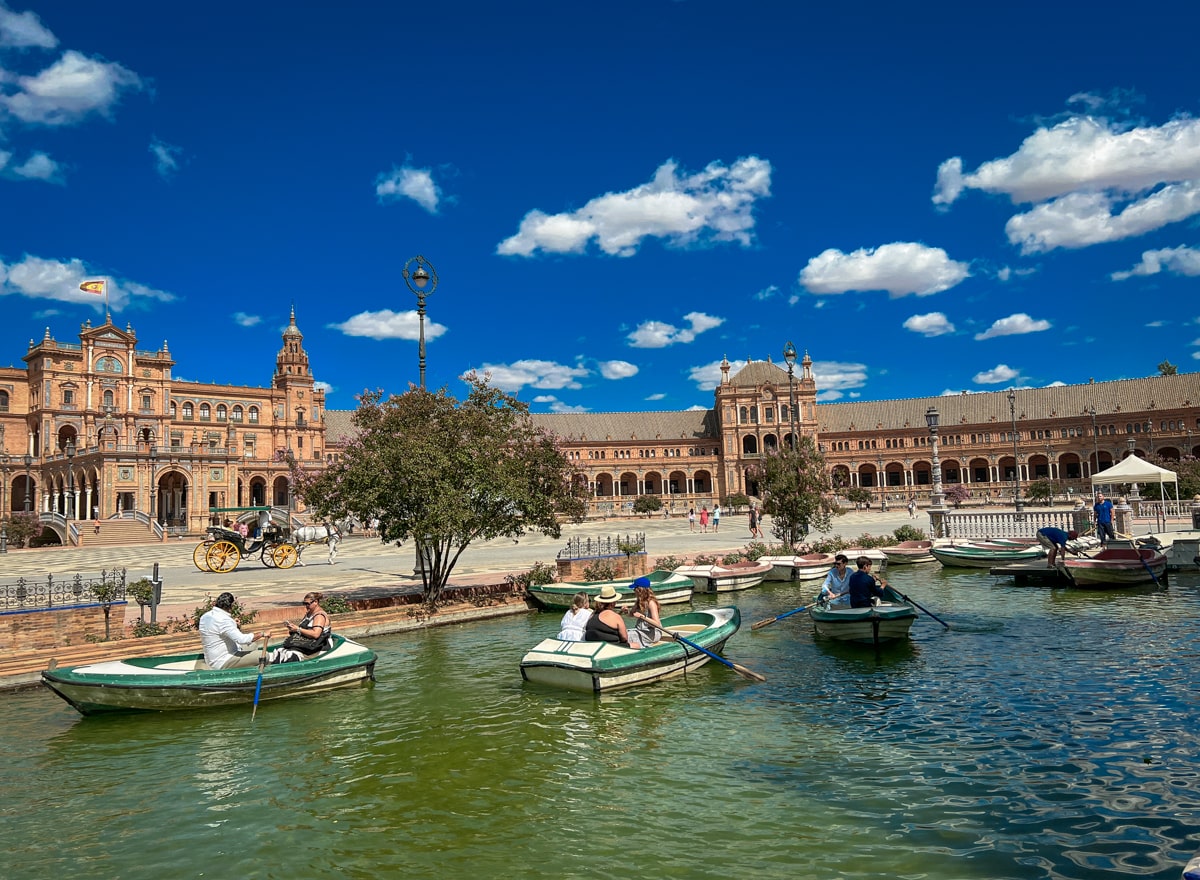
column 575, row 618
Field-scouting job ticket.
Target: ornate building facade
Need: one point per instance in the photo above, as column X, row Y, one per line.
column 98, row 428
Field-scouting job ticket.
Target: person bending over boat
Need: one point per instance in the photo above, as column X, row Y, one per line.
column 606, row 624
column 1053, row 540
column 835, row 592
column 576, row 618
column 308, row 637
column 863, row 586
column 225, row 645
column 648, row 614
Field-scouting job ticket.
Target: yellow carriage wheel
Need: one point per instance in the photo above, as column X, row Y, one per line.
column 200, row 555
column 268, row 554
column 284, row 555
column 223, row 556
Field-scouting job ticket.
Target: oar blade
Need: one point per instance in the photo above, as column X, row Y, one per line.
column 748, row 674
column 760, row 624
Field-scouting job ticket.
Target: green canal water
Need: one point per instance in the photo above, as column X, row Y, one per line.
column 1048, row 734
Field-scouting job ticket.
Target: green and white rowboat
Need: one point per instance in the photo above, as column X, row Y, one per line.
column 600, row 667
column 669, row 588
column 183, row 681
column 984, row 554
column 887, row 622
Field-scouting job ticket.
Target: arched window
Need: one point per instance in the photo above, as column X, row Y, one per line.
column 744, row 415
column 3, row 401
column 108, row 398
column 188, row 411
column 173, row 409
column 221, row 411
column 205, row 412
column 236, row 416
column 254, row 415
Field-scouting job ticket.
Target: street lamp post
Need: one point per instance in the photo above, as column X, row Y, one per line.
column 789, row 355
column 937, row 501
column 70, row 512
column 424, row 274
column 28, row 465
column 1012, row 409
column 153, row 476
column 4, row 459
column 1095, row 439
column 882, row 486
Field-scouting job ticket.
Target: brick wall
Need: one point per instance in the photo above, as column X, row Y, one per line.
column 48, row 628
column 572, row 569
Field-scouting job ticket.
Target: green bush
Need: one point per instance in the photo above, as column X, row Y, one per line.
column 704, row 559
column 244, row 616
column 601, row 570
column 909, row 533
column 541, row 573
column 647, row 504
column 732, row 558
column 667, row 563
column 756, row 549
column 336, row 604
column 733, row 502
column 141, row 591
column 143, row 628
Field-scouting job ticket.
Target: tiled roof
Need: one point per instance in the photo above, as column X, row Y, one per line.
column 1056, row 402
column 645, row 426
column 339, row 426
column 758, row 373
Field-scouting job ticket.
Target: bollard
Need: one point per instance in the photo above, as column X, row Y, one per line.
column 157, row 596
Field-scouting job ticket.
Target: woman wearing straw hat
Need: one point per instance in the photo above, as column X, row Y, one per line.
column 606, row 624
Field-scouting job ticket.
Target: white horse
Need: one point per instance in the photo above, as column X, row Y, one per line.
column 322, row 534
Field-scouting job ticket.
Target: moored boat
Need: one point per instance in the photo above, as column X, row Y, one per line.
column 725, row 578
column 908, row 552
column 183, row 681
column 878, row 558
column 670, row 588
column 1116, row 567
column 888, row 621
column 600, row 667
column 979, row 554
column 792, row 568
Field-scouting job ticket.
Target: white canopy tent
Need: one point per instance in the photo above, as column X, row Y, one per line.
column 1136, row 470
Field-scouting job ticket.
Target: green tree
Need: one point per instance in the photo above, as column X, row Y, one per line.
column 1166, row 368
column 1187, row 472
column 858, row 495
column 22, row 528
column 793, row 484
column 443, row 473
column 647, row 504
column 1040, row 490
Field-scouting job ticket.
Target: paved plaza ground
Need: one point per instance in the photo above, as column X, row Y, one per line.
column 366, row 566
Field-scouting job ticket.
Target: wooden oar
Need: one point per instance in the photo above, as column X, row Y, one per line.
column 770, row 620
column 1145, row 565
column 736, row 667
column 262, row 665
column 914, row 603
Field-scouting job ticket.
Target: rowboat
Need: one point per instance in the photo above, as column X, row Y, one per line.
column 725, row 578
column 1116, row 567
column 184, row 681
column 908, row 552
column 670, row 588
column 886, row 622
column 877, row 557
column 979, row 554
column 796, row 568
column 600, row 667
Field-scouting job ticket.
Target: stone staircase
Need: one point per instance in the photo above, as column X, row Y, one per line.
column 115, row 533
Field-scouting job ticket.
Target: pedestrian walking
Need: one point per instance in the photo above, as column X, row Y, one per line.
column 704, row 520
column 753, row 522
column 716, row 518
column 691, row 519
column 912, row 508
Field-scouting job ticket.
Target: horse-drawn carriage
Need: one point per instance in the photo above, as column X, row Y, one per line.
column 277, row 546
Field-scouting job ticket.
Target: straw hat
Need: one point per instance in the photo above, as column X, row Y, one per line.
column 608, row 593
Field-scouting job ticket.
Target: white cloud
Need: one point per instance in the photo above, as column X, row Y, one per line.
column 617, row 369
column 59, row 280
column 1096, row 181
column 657, row 334
column 21, row 30
column 69, row 90
column 38, row 166
column 244, row 320
column 839, row 376
column 1013, row 325
column 409, row 183
column 829, row 396
column 996, row 375
column 166, row 158
column 386, row 324
column 534, row 373
column 932, row 324
column 767, row 292
column 713, row 205
column 708, row 376
column 658, row 396
column 899, row 268
column 696, row 407
column 1178, row 261
column 323, row 386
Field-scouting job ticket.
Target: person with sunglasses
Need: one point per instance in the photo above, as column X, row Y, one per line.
column 835, row 591
column 308, row 637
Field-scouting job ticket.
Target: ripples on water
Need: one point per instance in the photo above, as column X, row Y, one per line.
column 1048, row 734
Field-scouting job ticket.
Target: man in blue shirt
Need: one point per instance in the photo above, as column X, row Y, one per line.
column 1103, row 508
column 863, row 585
column 1054, row 540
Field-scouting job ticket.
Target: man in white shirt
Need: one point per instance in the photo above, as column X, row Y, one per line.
column 226, row 646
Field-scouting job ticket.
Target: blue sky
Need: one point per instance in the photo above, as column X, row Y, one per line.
column 926, row 198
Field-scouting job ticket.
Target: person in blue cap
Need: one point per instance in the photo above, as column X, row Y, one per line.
column 648, row 614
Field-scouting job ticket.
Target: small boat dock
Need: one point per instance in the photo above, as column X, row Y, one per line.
column 1032, row 574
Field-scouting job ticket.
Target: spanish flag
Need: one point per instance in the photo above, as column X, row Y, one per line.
column 92, row 287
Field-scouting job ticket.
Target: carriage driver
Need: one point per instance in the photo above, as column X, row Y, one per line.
column 264, row 522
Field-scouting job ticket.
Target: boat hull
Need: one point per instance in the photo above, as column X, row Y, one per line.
column 908, row 553
column 798, row 568
column 725, row 579
column 887, row 622
column 172, row 682
column 1116, row 568
column 969, row 556
column 670, row 588
column 601, row 667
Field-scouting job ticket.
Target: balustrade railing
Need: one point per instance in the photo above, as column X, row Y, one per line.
column 1008, row 524
column 27, row 595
